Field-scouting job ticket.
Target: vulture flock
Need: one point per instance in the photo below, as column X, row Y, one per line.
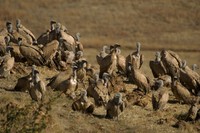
column 91, row 88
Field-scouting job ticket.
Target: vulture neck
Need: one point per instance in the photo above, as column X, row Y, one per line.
column 36, row 79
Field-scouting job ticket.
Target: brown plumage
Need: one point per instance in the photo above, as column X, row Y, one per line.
column 68, row 56
column 49, row 51
column 14, row 50
column 192, row 112
column 190, row 79
column 171, row 61
column 115, row 106
column 56, row 80
column 81, row 70
column 44, row 38
column 23, row 83
column 32, row 53
column 83, row 104
column 79, row 56
column 26, row 33
column 68, row 38
column 37, row 88
column 109, row 63
column 121, row 62
column 69, row 86
column 98, row 90
column 103, row 53
column 160, row 97
column 50, row 35
column 3, row 32
column 180, row 92
column 14, row 35
column 6, row 63
column 167, row 81
column 4, row 40
column 157, row 67
column 79, row 45
column 138, row 63
column 139, row 78
column 115, row 83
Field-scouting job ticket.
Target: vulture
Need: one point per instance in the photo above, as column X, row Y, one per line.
column 14, row 35
column 64, row 45
column 195, row 67
column 52, row 25
column 79, row 56
column 49, row 35
column 157, row 67
column 79, row 45
column 56, row 80
column 139, row 78
column 189, row 78
column 180, row 92
column 114, row 83
column 98, row 90
column 32, row 53
column 115, row 106
column 68, row 38
column 81, row 70
column 83, row 104
column 69, row 86
column 68, row 56
column 160, row 97
column 171, row 61
column 14, row 50
column 138, row 63
column 6, row 63
column 37, row 87
column 23, row 83
column 26, row 33
column 121, row 62
column 3, row 32
column 44, row 38
column 4, row 40
column 103, row 53
column 167, row 80
column 49, row 51
column 9, row 27
column 109, row 63
column 192, row 112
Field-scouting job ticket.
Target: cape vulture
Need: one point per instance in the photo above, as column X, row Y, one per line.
column 171, row 61
column 32, row 53
column 6, row 63
column 108, row 63
column 139, row 78
column 115, row 106
column 160, row 97
column 26, row 33
column 157, row 67
column 83, row 104
column 37, row 87
column 189, row 78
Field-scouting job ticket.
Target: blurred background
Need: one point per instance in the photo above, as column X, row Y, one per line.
column 157, row 24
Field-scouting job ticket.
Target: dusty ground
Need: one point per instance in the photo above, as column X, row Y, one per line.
column 156, row 24
column 56, row 115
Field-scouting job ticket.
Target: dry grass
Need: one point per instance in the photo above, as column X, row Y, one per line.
column 156, row 24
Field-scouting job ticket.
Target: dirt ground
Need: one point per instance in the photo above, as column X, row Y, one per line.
column 20, row 114
column 155, row 24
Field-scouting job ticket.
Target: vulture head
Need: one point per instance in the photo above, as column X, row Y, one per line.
column 9, row 27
